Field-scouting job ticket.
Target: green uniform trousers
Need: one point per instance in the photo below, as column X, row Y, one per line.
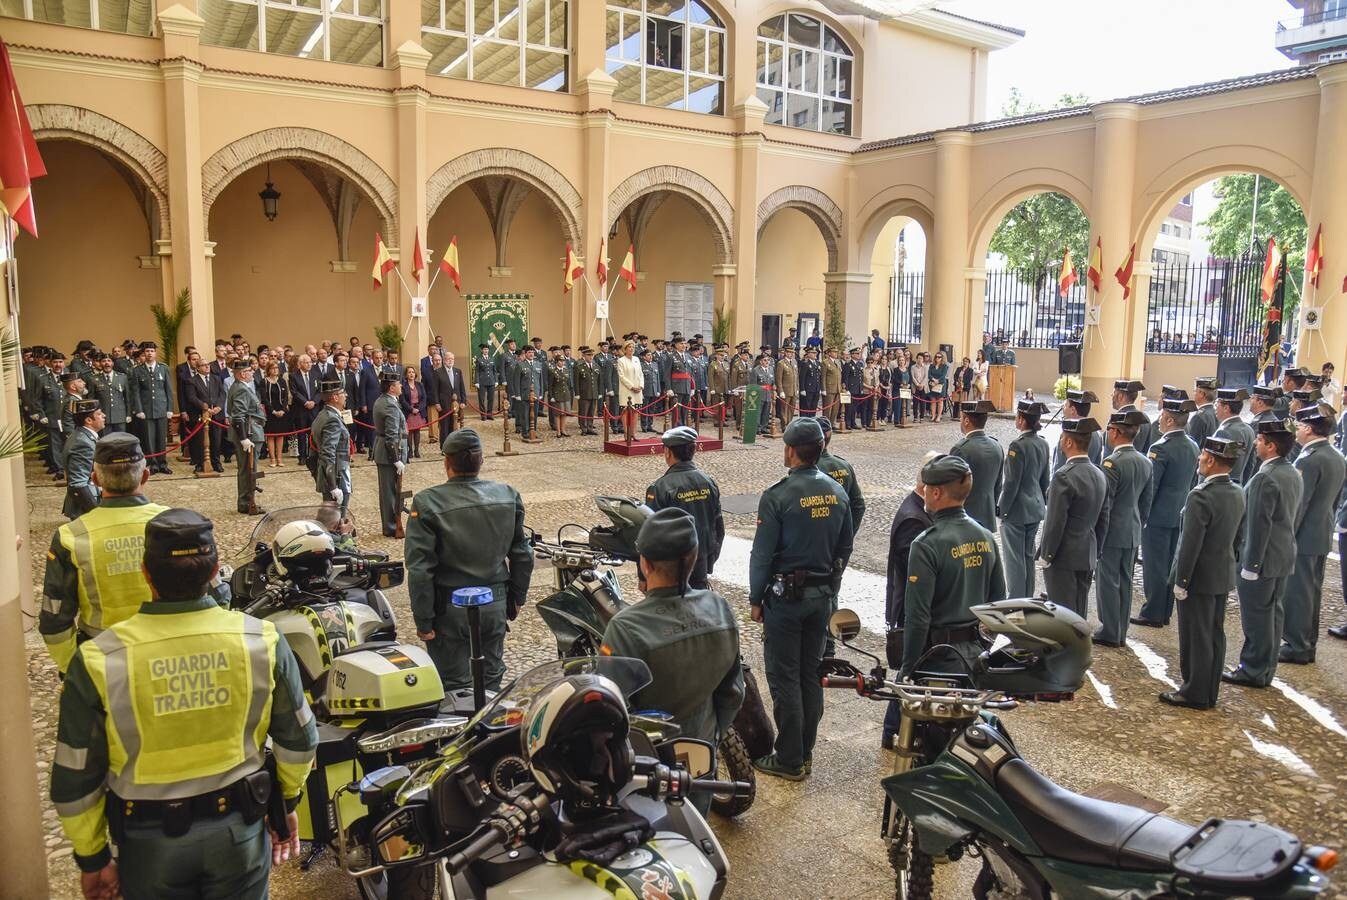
column 450, row 649
column 1113, row 591
column 245, row 478
column 222, row 858
column 1201, row 646
column 1261, row 613
column 793, row 636
column 1158, row 546
column 390, row 504
column 1017, row 553
column 1304, row 592
column 1069, row 588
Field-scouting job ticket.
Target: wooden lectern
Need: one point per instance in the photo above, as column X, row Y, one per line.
column 1001, row 387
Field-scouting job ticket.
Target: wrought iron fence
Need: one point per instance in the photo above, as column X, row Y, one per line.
column 1027, row 308
column 907, row 297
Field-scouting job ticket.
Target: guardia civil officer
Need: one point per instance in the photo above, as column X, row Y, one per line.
column 163, row 733
column 1077, row 406
column 1267, row 554
column 1023, row 499
column 390, row 450
column 466, row 532
column 151, row 401
column 843, row 472
column 331, row 442
column 81, row 492
column 684, row 485
column 800, row 549
column 986, row 459
column 675, row 623
column 909, row 522
column 811, row 383
column 1074, row 521
column 952, row 567
column 1204, row 574
column 1125, row 393
column 1263, row 400
column 246, row 421
column 1323, row 471
column 1230, row 427
column 1293, row 379
column 1173, row 473
column 1202, row 423
column 1128, row 476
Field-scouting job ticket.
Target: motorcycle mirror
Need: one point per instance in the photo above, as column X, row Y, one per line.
column 693, row 755
column 844, row 625
column 399, row 837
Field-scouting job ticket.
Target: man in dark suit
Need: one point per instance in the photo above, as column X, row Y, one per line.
column 219, row 368
column 322, row 367
column 448, row 389
column 368, row 393
column 303, row 403
column 196, row 407
column 1075, row 519
column 910, row 521
column 183, row 372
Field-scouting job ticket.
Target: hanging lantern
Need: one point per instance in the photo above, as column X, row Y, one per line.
column 270, row 198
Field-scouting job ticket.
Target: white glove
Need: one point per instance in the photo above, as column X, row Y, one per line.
column 336, row 494
column 1180, row 593
column 45, row 421
column 246, row 445
column 399, row 466
column 140, row 415
column 1043, row 563
column 1248, row 575
column 1341, row 529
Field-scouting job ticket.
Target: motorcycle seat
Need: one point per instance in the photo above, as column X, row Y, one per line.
column 1080, row 829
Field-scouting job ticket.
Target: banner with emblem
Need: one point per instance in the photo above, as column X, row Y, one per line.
column 495, row 318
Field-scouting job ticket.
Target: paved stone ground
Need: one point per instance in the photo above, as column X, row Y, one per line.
column 1276, row 754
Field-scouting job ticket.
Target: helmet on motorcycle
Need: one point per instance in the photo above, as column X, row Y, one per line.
column 575, row 741
column 619, row 539
column 1048, row 650
column 302, row 552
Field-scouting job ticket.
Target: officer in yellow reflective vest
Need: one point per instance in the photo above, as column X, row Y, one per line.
column 164, row 722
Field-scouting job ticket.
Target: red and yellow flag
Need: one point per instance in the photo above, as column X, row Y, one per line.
column 383, row 261
column 1271, row 270
column 20, row 162
column 1314, row 257
column 418, row 258
column 1095, row 273
column 628, row 271
column 601, row 267
column 449, row 263
column 1124, row 273
column 1068, row 275
column 573, row 270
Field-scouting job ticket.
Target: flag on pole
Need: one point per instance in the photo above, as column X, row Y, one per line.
column 1096, row 271
column 573, row 270
column 418, row 259
column 1068, row 275
column 1314, row 257
column 1124, row 273
column 383, row 261
column 449, row 263
column 628, row 271
column 601, row 268
column 20, row 162
column 1271, row 268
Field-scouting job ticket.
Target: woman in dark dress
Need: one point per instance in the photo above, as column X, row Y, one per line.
column 274, row 395
column 414, row 405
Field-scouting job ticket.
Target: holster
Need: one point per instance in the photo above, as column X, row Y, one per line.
column 255, row 792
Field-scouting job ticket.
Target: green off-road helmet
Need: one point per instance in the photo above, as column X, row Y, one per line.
column 1038, row 648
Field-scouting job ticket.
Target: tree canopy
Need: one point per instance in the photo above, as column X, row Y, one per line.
column 1279, row 216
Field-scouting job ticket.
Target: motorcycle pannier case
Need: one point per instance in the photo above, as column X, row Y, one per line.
column 381, row 678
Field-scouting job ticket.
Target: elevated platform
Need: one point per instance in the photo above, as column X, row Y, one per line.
column 651, row 446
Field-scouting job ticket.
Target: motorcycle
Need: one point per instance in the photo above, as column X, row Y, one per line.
column 475, row 823
column 960, row 786
column 588, row 596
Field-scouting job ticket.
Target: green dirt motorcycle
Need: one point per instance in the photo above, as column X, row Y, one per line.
column 961, row 787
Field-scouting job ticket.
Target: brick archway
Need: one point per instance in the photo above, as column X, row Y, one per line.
column 234, row 159
column 508, row 162
column 705, row 197
column 815, row 204
column 135, row 155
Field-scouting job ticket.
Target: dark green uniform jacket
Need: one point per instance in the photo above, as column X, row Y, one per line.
column 1202, row 424
column 1128, row 475
column 1236, row 429
column 81, row 494
column 844, row 473
column 1077, row 514
column 1271, row 499
column 691, row 644
column 1322, row 469
column 690, row 489
column 804, row 524
column 1173, row 474
column 1212, row 519
column 1025, row 489
column 987, row 460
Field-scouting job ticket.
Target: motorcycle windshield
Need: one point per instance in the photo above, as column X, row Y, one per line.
column 511, row 705
column 328, row 516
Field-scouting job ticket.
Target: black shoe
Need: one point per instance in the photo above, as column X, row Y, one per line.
column 886, row 742
column 219, row 470
column 1138, row 620
column 1174, row 698
column 1096, row 639
column 1339, row 632
column 165, row 471
column 1289, row 656
column 1239, row 676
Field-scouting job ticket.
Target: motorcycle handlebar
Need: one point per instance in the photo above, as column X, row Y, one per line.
column 856, row 682
column 737, row 788
column 495, row 835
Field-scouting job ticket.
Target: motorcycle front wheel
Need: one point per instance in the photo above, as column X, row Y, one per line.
column 733, row 763
column 402, row 883
column 913, row 870
column 1006, row 875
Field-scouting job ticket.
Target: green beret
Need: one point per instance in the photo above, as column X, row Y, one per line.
column 176, row 533
column 825, row 423
column 118, row 447
column 802, row 431
column 460, row 440
column 944, row 469
column 680, row 436
column 667, row 534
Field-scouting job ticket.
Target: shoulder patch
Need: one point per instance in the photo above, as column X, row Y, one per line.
column 50, row 555
column 414, row 514
column 1010, row 452
column 912, row 578
column 1108, row 464
column 1151, row 454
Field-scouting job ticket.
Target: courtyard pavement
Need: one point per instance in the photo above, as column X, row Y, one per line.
column 1276, row 754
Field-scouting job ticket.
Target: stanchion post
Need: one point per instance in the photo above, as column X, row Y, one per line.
column 603, row 414
column 720, row 424
column 874, row 410
column 531, row 416
column 841, row 422
column 628, row 422
column 668, row 408
column 771, row 408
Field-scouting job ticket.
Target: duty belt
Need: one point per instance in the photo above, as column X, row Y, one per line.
column 952, row 634
column 247, row 796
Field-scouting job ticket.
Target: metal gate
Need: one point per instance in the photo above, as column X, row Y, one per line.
column 1239, row 342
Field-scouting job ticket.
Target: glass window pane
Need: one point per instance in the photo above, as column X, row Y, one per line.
column 803, row 70
column 776, row 64
column 357, row 42
column 292, row 32
column 715, row 44
column 836, row 117
column 14, row 9
column 507, row 20
column 626, row 4
column 342, row 6
column 456, row 15
column 839, row 81
column 536, row 21
column 801, row 111
column 805, row 31
column 762, row 63
column 775, row 27
column 700, row 14
column 483, row 17
column 227, row 24
column 69, row 12
column 776, row 105
column 430, row 13
column 125, row 16
column 833, row 41
column 448, row 55
column 628, row 82
column 704, row 95
column 671, row 8
column 664, row 44
column 495, row 63
column 544, row 70
column 697, row 52
column 664, row 88
column 557, row 37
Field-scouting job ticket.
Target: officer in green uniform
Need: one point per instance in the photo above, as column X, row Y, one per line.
column 985, row 458
column 1267, row 554
column 1077, row 406
column 687, row 487
column 1023, row 498
column 1074, row 521
column 520, row 380
column 843, row 472
column 1202, row 423
column 466, row 532
column 1323, row 471
column 390, row 450
column 1262, row 401
column 1204, row 574
column 588, row 378
column 800, row 549
column 246, row 418
column 1125, row 394
column 1230, row 427
column 1292, row 380
column 673, row 625
column 1128, row 476
column 81, row 493
column 163, row 733
column 1002, row 356
column 331, row 442
column 1173, row 473
column 952, row 567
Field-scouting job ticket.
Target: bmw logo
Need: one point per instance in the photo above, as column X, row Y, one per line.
column 410, row 680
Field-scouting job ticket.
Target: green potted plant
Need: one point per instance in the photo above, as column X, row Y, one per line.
column 168, row 323
column 389, row 337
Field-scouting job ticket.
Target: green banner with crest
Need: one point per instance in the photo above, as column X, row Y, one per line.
column 495, row 318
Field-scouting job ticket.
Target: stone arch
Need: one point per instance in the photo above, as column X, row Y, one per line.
column 510, row 163
column 910, row 200
column 1002, row 196
column 705, row 197
column 234, row 159
column 815, row 204
column 131, row 151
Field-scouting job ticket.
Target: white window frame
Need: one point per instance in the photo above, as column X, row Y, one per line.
column 644, row 17
column 319, row 45
column 521, row 43
column 93, row 19
column 785, row 46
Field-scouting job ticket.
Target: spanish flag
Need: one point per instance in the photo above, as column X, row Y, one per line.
column 1096, row 271
column 601, row 267
column 1314, row 257
column 449, row 263
column 628, row 271
column 20, row 162
column 1068, row 275
column 383, row 261
column 1272, row 266
column 573, row 270
column 1124, row 273
column 418, row 258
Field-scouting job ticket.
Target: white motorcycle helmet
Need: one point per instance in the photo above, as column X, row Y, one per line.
column 575, row 741
column 302, row 551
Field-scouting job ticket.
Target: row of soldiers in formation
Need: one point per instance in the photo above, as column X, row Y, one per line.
column 1084, row 512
